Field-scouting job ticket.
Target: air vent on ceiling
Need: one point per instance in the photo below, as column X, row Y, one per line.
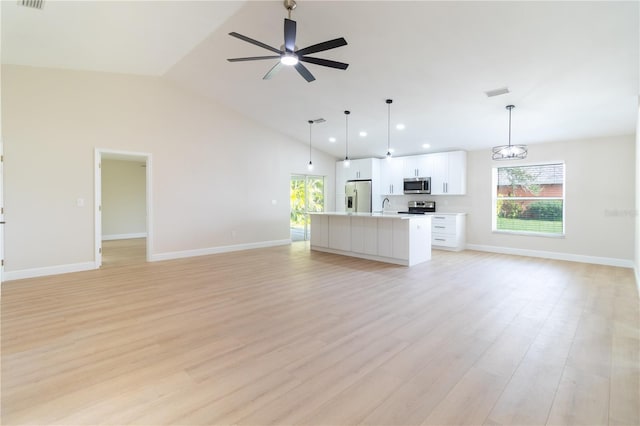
column 34, row 4
column 497, row 92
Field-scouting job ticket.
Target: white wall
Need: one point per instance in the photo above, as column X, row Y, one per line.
column 124, row 207
column 215, row 172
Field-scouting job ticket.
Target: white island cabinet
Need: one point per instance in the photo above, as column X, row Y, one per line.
column 393, row 238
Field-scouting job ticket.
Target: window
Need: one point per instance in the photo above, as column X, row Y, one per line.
column 529, row 199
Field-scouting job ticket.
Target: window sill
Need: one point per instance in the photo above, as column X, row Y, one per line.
column 528, row 234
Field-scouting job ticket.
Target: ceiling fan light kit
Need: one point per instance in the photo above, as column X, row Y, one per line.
column 509, row 152
column 288, row 55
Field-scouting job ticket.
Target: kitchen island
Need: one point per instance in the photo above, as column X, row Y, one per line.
column 403, row 239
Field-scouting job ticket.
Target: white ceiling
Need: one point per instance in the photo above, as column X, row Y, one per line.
column 572, row 67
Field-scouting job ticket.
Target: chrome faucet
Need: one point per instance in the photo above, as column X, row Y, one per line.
column 388, row 202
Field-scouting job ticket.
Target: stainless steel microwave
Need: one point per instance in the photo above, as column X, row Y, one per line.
column 417, row 185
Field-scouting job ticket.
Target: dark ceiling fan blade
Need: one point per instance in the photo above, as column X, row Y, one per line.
column 304, row 72
column 324, row 62
column 273, row 71
column 252, row 58
column 256, row 42
column 326, row 45
column 289, row 35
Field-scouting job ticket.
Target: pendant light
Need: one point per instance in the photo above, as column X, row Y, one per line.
column 389, row 101
column 347, row 162
column 509, row 152
column 311, row 122
column 310, row 165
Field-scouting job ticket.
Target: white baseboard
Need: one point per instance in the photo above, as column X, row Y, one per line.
column 216, row 250
column 124, row 236
column 609, row 261
column 48, row 270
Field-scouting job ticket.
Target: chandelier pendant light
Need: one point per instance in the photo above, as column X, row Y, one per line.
column 347, row 162
column 509, row 152
column 389, row 101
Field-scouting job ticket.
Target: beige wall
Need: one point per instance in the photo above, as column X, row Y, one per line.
column 599, row 205
column 124, row 207
column 215, row 172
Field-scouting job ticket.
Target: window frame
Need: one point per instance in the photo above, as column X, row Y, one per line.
column 495, row 198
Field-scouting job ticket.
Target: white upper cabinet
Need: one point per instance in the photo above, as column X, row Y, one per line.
column 362, row 169
column 457, row 181
column 416, row 166
column 391, row 176
column 448, row 173
column 447, row 170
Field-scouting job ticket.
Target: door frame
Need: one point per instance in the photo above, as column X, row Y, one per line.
column 97, row 207
column 306, row 178
column 1, row 209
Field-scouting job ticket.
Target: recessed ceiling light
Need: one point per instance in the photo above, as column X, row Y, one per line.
column 363, row 133
column 426, row 146
column 332, row 139
column 400, row 126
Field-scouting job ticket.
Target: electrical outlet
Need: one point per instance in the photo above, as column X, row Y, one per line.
column 80, row 202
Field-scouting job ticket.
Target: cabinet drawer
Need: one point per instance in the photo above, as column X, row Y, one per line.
column 440, row 228
column 444, row 240
column 443, row 219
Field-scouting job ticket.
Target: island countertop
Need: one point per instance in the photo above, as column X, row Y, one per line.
column 377, row 215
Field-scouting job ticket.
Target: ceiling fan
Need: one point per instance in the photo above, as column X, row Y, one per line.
column 288, row 54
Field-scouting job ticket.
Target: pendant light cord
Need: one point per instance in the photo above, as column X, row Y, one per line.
column 389, row 101
column 310, row 123
column 346, row 135
column 510, row 107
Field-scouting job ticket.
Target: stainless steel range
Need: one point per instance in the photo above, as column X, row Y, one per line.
column 421, row 207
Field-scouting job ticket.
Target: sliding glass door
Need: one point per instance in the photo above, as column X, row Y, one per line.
column 307, row 195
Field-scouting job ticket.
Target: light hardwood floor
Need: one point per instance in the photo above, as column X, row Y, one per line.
column 285, row 336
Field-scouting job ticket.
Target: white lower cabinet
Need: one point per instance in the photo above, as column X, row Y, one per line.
column 339, row 233
column 320, row 231
column 364, row 235
column 448, row 231
column 386, row 239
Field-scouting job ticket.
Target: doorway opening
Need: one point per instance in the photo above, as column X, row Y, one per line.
column 307, row 195
column 123, row 231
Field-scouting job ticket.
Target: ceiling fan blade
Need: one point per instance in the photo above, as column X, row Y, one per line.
column 326, row 45
column 289, row 35
column 252, row 58
column 273, row 71
column 304, row 72
column 324, row 62
column 256, row 42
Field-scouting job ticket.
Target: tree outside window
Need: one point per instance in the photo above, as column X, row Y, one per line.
column 529, row 199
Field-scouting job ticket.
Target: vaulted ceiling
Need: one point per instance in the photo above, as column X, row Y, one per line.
column 571, row 67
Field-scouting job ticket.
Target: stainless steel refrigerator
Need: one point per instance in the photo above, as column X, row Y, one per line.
column 358, row 196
